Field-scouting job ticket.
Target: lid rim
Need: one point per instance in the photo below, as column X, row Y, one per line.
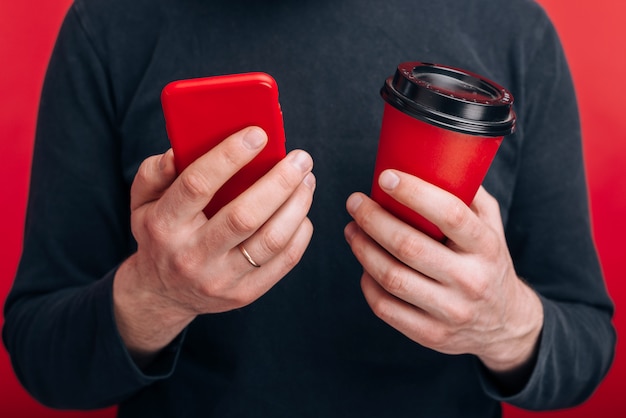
column 494, row 117
column 458, row 125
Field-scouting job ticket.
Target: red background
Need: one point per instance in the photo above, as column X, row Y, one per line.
column 593, row 33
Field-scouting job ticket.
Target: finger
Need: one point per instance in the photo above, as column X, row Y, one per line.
column 196, row 185
column 256, row 281
column 412, row 247
column 394, row 276
column 410, row 320
column 416, row 324
column 154, row 176
column 486, row 207
column 275, row 234
column 239, row 219
column 455, row 219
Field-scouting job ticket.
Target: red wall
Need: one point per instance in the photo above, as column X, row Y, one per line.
column 594, row 34
column 594, row 37
column 27, row 33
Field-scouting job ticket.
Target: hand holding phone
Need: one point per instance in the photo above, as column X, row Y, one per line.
column 200, row 113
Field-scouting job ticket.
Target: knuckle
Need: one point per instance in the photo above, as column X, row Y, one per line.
column 483, row 236
column 409, row 247
column 474, row 281
column 455, row 216
column 284, row 181
column 221, row 288
column 232, row 158
column 274, row 240
column 437, row 337
column 460, row 316
column 194, row 185
column 241, row 220
column 183, row 263
column 394, row 281
column 242, row 298
column 156, row 228
column 383, row 309
column 478, row 289
column 491, row 243
column 210, row 289
column 292, row 256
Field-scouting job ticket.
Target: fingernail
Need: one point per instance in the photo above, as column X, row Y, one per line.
column 254, row 138
column 353, row 203
column 301, row 160
column 309, row 181
column 349, row 231
column 163, row 159
column 388, row 180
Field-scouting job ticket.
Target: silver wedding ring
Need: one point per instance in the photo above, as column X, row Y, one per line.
column 248, row 257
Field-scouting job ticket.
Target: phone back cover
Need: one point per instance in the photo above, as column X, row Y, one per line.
column 202, row 112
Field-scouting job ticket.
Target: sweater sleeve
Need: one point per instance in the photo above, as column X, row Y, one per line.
column 550, row 239
column 59, row 325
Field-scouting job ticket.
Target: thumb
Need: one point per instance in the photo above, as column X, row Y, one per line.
column 154, row 176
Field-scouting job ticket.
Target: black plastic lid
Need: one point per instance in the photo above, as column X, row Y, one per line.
column 451, row 98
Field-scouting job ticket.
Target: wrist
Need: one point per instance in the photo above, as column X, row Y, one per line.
column 517, row 346
column 516, row 355
column 146, row 321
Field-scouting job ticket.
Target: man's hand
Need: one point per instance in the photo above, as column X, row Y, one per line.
column 462, row 296
column 188, row 265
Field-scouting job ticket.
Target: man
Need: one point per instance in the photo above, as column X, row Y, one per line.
column 128, row 294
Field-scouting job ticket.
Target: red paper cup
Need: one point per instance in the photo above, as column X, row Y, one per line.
column 443, row 125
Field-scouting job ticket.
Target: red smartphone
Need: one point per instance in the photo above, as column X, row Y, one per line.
column 201, row 112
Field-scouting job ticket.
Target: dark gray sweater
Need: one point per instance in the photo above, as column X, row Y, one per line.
column 310, row 347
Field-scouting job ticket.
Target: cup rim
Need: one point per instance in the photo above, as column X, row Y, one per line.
column 451, row 98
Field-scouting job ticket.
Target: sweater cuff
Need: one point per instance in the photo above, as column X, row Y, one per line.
column 160, row 368
column 527, row 395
